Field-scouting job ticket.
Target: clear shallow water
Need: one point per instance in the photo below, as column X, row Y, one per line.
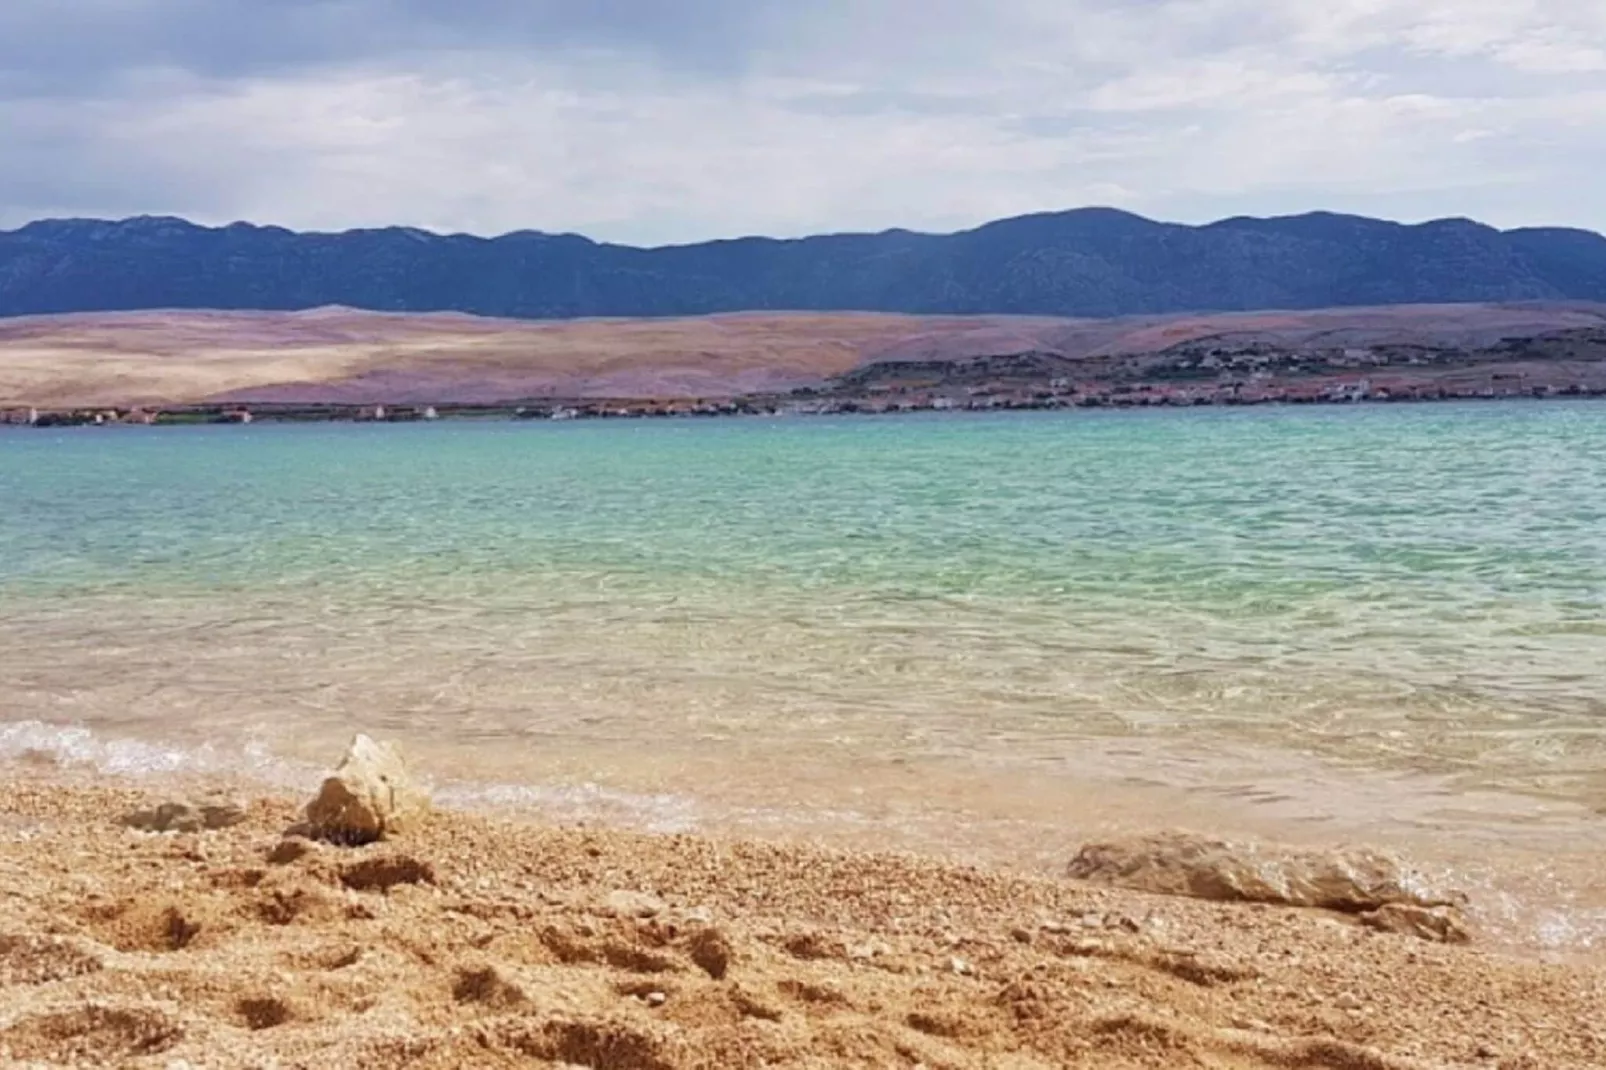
column 1365, row 618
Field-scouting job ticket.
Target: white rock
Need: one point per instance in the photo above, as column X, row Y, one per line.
column 627, row 904
column 370, row 796
column 1347, row 879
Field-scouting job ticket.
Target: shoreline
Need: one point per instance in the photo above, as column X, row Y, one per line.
column 614, row 409
column 478, row 939
column 1528, row 863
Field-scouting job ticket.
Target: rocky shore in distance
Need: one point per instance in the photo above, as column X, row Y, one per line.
column 346, row 364
column 1205, row 372
column 364, row 929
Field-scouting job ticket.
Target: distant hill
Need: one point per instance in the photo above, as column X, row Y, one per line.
column 341, row 356
column 1086, row 262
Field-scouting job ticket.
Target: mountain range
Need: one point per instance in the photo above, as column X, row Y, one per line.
column 1085, row 262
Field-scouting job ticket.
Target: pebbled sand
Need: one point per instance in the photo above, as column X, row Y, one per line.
column 477, row 942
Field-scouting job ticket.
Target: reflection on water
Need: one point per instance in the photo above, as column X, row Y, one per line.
column 954, row 632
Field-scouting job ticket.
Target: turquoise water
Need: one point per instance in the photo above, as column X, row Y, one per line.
column 694, row 607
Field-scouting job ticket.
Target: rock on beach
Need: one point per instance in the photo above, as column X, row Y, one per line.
column 371, row 795
column 194, row 815
column 1373, row 884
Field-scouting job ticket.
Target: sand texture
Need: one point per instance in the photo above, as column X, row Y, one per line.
column 472, row 941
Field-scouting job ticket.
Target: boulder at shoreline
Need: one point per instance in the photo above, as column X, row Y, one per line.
column 1350, row 880
column 371, row 795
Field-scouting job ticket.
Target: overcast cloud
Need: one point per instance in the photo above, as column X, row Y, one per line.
column 677, row 120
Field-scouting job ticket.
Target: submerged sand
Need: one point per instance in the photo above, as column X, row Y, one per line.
column 473, row 941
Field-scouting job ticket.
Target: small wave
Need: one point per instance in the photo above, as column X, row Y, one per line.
column 660, row 813
column 73, row 747
column 76, row 747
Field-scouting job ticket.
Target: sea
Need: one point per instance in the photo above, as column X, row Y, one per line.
column 985, row 636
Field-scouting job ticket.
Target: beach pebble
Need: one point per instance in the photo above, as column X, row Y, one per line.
column 711, row 950
column 369, row 796
column 866, row 951
column 627, row 904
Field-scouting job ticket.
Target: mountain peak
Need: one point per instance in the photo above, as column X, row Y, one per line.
column 1093, row 261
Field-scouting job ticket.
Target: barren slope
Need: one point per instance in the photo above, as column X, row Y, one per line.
column 348, row 356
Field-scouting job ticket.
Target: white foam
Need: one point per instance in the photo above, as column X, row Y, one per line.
column 661, row 813
column 76, row 747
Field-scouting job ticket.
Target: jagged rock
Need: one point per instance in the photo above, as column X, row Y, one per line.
column 370, row 796
column 1442, row 924
column 1353, row 880
column 212, row 812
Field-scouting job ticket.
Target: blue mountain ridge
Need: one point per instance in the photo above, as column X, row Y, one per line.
column 1083, row 262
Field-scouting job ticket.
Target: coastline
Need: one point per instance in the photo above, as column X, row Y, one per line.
column 182, row 367
column 476, row 939
column 604, row 409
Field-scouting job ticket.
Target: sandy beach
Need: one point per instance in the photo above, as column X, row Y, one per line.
column 472, row 940
column 680, row 693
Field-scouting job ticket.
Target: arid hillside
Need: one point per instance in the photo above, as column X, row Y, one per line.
column 344, row 356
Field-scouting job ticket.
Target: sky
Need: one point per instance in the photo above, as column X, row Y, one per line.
column 664, row 121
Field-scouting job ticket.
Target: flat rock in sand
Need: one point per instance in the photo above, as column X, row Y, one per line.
column 370, row 795
column 197, row 815
column 1441, row 924
column 1352, row 880
column 627, row 904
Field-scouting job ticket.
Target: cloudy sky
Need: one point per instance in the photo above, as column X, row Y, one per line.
column 655, row 121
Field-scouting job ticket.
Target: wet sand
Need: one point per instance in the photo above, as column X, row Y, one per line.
column 475, row 940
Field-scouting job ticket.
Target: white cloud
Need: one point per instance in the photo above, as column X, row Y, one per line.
column 783, row 118
column 1552, row 52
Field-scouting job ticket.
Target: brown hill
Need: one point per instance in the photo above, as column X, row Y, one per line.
column 339, row 355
